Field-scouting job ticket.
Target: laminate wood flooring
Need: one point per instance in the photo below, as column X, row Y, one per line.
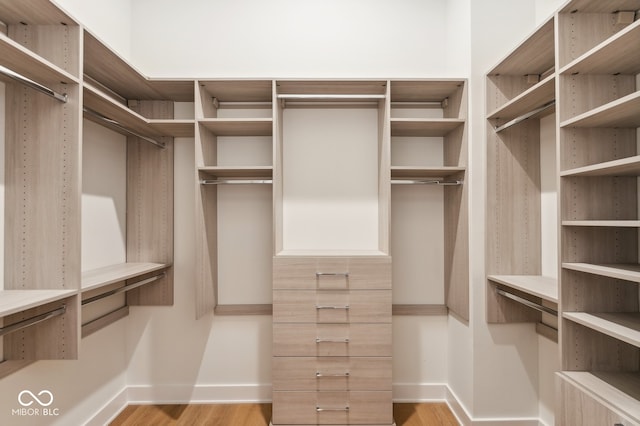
column 423, row 414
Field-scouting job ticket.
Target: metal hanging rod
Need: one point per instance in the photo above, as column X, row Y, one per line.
column 32, row 84
column 235, row 181
column 32, row 321
column 426, row 182
column 526, row 302
column 524, row 116
column 114, row 123
column 123, row 289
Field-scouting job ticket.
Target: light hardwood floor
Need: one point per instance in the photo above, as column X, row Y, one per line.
column 435, row 414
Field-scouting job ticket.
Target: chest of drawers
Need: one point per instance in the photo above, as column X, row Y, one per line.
column 332, row 341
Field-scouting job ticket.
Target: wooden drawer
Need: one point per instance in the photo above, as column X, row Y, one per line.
column 331, row 339
column 332, row 408
column 332, row 306
column 331, row 373
column 341, row 273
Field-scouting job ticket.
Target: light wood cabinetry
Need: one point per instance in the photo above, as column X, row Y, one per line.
column 590, row 54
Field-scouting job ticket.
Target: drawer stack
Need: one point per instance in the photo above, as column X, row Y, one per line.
column 332, row 340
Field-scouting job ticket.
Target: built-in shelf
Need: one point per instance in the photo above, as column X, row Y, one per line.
column 623, row 112
column 629, row 166
column 237, row 171
column 603, row 223
column 620, row 390
column 434, row 127
column 256, row 309
column 175, row 128
column 616, row 55
column 545, row 288
column 111, row 274
column 424, row 172
column 535, row 97
column 14, row 301
column 621, row 325
column 239, row 126
column 628, row 272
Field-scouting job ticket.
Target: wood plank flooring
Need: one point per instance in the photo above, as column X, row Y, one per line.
column 423, row 414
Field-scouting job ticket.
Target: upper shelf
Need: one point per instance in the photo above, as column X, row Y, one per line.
column 36, row 12
column 609, row 6
column 331, row 87
column 623, row 112
column 616, row 55
column 424, row 127
column 109, row 69
column 424, row 172
column 535, row 97
column 239, row 126
column 536, row 285
column 115, row 273
column 14, row 301
column 423, row 90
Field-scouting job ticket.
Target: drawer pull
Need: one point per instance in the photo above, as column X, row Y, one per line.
column 345, row 307
column 332, row 274
column 319, row 374
column 320, row 409
column 319, row 340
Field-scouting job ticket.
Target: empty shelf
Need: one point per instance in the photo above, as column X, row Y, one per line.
column 111, row 274
column 238, row 171
column 623, row 167
column 175, row 128
column 424, row 172
column 536, row 285
column 541, row 94
column 623, row 112
column 621, row 326
column 603, row 223
column 14, row 301
column 628, row 272
column 424, row 127
column 239, row 126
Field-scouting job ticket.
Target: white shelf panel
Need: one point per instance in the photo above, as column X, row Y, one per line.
column 101, row 277
column 628, row 272
column 603, row 223
column 543, row 287
column 629, row 166
column 14, row 301
column 618, row 54
column 621, row 326
column 623, row 112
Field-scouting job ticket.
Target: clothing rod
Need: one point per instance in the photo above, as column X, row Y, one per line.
column 32, row 84
column 123, row 289
column 121, row 127
column 426, row 182
column 529, row 303
column 235, row 181
column 524, row 116
column 32, row 321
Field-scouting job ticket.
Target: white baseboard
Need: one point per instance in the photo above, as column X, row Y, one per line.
column 234, row 394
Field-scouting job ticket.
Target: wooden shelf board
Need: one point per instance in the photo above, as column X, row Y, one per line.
column 331, row 253
column 175, row 128
column 620, row 391
column 603, row 223
column 423, row 91
column 245, row 309
column 419, row 310
column 623, row 112
column 332, row 87
column 21, row 60
column 14, row 301
column 35, row 12
column 107, row 67
column 629, row 166
column 543, row 287
column 621, row 326
column 628, row 272
column 238, row 171
column 535, row 97
column 618, row 54
column 239, row 90
column 590, row 6
column 533, row 56
column 424, row 127
column 424, row 172
column 111, row 274
column 239, row 126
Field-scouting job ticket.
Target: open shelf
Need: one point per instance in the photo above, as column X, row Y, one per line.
column 239, row 126
column 237, row 171
column 535, row 97
column 545, row 288
column 14, row 301
column 629, row 166
column 96, row 278
column 623, row 112
column 622, row 325
column 603, row 223
column 424, row 172
column 424, row 127
column 628, row 272
column 175, row 128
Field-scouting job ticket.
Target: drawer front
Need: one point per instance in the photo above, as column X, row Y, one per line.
column 331, row 373
column 332, row 306
column 332, row 408
column 331, row 339
column 578, row 408
column 326, row 273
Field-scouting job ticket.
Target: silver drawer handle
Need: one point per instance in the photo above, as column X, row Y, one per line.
column 320, row 409
column 332, row 274
column 345, row 307
column 319, row 340
column 319, row 374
